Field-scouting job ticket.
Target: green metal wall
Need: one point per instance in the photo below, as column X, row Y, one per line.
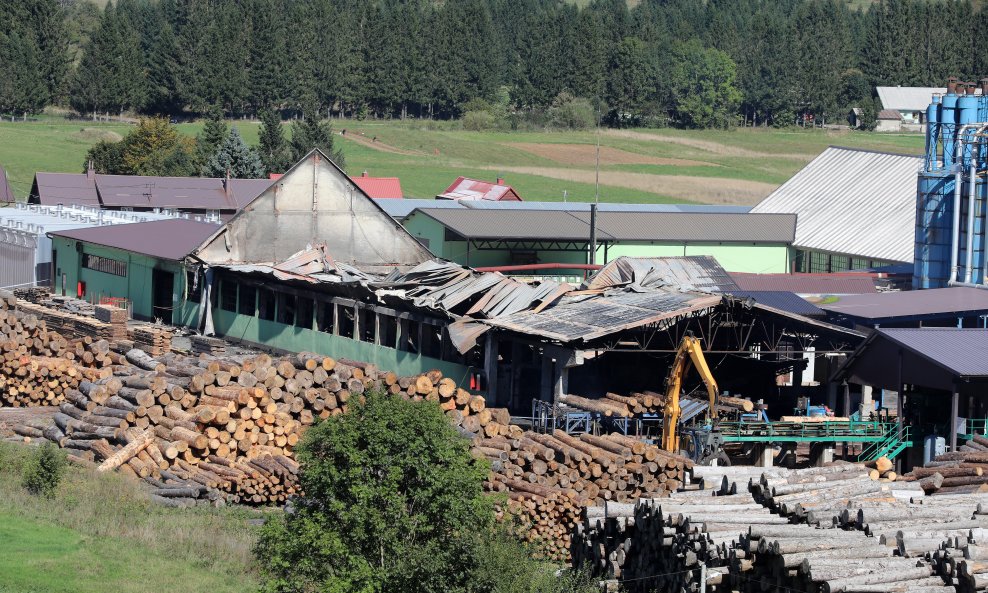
column 296, row 339
column 135, row 286
column 734, row 257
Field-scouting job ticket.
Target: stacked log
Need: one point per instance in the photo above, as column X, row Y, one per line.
column 746, row 542
column 964, row 471
column 38, row 366
column 551, row 477
column 643, row 402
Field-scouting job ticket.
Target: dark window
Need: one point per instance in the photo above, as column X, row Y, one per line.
column 388, row 326
column 104, row 264
column 265, row 304
column 409, row 341
column 325, row 319
column 346, row 320
column 193, row 286
column 432, row 340
column 248, row 300
column 303, row 318
column 368, row 325
column 228, row 295
column 214, row 293
column 286, row 308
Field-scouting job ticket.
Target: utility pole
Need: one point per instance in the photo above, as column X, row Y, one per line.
column 596, row 196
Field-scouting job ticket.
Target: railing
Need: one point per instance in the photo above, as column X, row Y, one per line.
column 895, row 441
column 977, row 426
column 823, row 430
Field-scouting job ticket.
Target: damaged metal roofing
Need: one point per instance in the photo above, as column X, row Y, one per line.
column 626, row 294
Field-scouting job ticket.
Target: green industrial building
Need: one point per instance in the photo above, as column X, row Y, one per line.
column 757, row 243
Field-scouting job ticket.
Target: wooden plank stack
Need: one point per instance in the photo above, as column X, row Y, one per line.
column 207, row 345
column 152, row 339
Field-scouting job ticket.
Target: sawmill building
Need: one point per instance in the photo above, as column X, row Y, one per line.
column 314, row 264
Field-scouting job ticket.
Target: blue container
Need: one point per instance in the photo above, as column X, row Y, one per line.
column 933, row 134
column 948, row 126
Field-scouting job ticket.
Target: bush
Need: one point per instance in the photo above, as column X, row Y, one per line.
column 571, row 113
column 479, row 121
column 394, row 502
column 45, row 470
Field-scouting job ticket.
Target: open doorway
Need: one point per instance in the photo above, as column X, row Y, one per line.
column 162, row 287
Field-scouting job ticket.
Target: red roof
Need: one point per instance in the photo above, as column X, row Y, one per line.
column 807, row 284
column 473, row 189
column 379, row 187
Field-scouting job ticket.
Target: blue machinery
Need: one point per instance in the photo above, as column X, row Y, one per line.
column 952, row 191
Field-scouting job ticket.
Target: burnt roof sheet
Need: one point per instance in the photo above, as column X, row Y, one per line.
column 171, row 239
column 914, row 303
column 616, row 226
column 694, row 271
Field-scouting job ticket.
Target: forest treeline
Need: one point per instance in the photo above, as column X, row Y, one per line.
column 697, row 63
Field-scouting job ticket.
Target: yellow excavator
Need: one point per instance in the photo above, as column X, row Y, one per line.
column 704, row 442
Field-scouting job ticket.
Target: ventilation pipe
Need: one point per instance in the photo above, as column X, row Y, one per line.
column 975, row 130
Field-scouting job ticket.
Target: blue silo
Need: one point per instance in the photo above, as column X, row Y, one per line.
column 932, row 134
column 967, row 114
column 948, row 123
column 934, row 221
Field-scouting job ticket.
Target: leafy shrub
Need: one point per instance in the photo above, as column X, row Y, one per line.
column 571, row 113
column 44, row 471
column 479, row 121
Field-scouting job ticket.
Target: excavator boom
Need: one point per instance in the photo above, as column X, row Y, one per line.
column 689, row 352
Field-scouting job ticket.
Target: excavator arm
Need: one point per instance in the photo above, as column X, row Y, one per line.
column 689, row 353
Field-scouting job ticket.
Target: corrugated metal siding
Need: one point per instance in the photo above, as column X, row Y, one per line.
column 907, row 98
column 852, row 202
column 935, row 301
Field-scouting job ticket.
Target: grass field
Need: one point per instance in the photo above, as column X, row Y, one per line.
column 727, row 167
column 100, row 534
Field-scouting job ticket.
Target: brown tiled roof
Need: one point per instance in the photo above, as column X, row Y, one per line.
column 811, row 284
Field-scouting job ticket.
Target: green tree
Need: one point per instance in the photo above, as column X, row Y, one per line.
column 313, row 132
column 110, row 75
column 273, row 147
column 630, row 82
column 22, row 89
column 152, row 147
column 392, row 496
column 394, row 502
column 44, row 471
column 704, row 88
column 214, row 133
column 236, row 158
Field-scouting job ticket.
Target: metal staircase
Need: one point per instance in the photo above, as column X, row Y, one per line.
column 896, row 441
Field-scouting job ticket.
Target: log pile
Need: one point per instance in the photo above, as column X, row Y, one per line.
column 964, row 471
column 747, row 541
column 550, row 478
column 644, row 402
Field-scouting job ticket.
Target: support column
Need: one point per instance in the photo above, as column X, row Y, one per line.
column 867, row 403
column 821, row 454
column 490, row 365
column 847, row 399
column 832, row 395
column 954, row 403
column 545, row 389
column 560, row 381
column 763, row 455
